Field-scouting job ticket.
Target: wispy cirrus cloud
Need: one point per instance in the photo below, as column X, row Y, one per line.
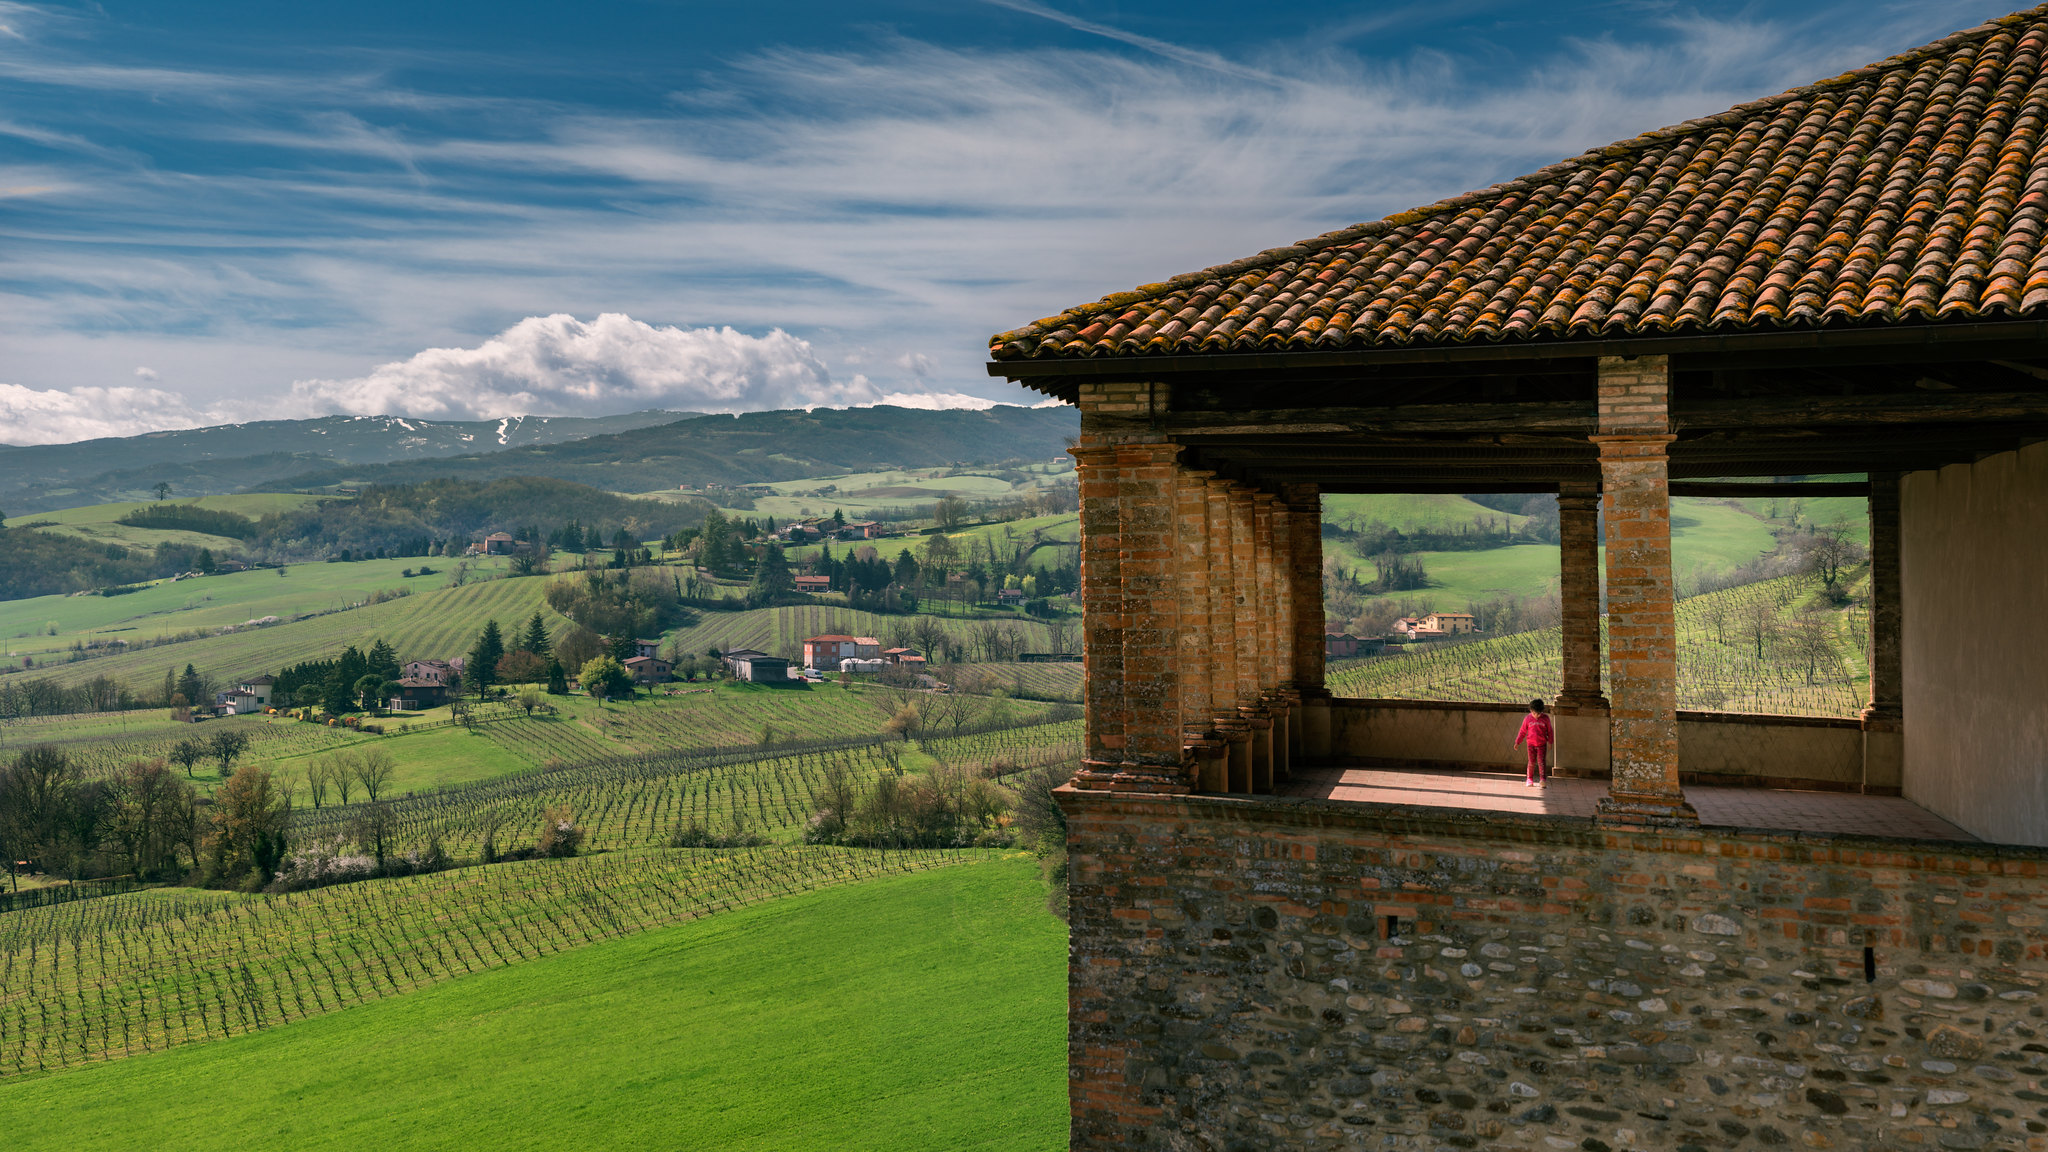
column 886, row 205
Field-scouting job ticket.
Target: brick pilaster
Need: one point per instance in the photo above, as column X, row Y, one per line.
column 1244, row 568
column 1578, row 529
column 1236, row 755
column 1884, row 717
column 1635, row 472
column 1148, row 501
column 1310, row 727
column 1102, row 606
column 1197, row 650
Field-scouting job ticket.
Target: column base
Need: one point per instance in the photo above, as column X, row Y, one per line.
column 1884, row 752
column 1211, row 755
column 1261, row 727
column 1625, row 811
column 1573, row 704
column 1103, row 776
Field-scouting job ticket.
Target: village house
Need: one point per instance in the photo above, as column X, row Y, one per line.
column 500, row 544
column 814, row 584
column 860, row 530
column 1300, row 920
column 903, row 656
column 649, row 669
column 1450, row 623
column 447, row 673
column 1010, row 597
column 827, row 651
column 646, row 648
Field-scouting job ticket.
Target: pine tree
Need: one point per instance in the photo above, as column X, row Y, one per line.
column 340, row 688
column 383, row 661
column 558, row 680
column 771, row 577
column 191, row 687
column 482, row 669
column 535, row 638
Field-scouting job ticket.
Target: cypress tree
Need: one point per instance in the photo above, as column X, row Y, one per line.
column 535, row 638
column 482, row 668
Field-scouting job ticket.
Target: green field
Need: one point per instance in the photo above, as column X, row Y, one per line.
column 1420, row 512
column 228, row 600
column 1708, row 538
column 97, row 521
column 782, row 631
column 863, row 493
column 922, row 1011
column 1718, row 665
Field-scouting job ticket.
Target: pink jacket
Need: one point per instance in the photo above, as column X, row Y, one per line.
column 1536, row 731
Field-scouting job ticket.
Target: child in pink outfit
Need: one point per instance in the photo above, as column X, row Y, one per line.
column 1539, row 736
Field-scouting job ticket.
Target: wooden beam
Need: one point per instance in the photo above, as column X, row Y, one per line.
column 1789, row 488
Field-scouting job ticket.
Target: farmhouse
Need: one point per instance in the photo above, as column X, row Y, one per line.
column 860, row 530
column 1449, row 623
column 827, row 651
column 903, row 656
column 1300, row 921
column 814, row 584
column 446, row 673
column 418, row 692
column 649, row 669
column 499, row 544
column 646, row 647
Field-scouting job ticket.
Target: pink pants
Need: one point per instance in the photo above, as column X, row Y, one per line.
column 1535, row 771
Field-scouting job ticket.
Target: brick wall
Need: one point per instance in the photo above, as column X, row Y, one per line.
column 1549, row 985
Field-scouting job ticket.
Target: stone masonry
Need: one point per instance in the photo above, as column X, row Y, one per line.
column 1266, row 974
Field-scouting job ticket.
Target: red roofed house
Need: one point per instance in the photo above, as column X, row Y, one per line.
column 814, row 584
column 828, row 651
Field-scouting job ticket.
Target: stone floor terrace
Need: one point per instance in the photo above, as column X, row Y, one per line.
column 1764, row 808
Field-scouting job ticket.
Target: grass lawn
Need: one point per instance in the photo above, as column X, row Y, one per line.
column 915, row 1012
column 1413, row 512
column 97, row 521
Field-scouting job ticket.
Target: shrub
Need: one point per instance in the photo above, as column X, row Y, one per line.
column 559, row 835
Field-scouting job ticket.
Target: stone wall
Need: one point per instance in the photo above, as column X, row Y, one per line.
column 1292, row 974
column 1975, row 643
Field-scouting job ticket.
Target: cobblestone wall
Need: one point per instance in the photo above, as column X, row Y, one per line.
column 1546, row 985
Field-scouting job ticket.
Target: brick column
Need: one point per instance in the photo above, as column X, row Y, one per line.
column 1305, row 575
column 1198, row 649
column 1634, row 440
column 1285, row 525
column 1102, row 607
column 1884, row 719
column 1244, row 577
column 1580, row 708
column 1149, row 561
column 1272, row 669
column 1223, row 596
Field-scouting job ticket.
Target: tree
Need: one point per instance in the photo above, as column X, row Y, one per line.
column 227, row 745
column 520, row 667
column 535, row 638
column 34, row 794
column 482, row 668
column 366, row 688
column 206, row 563
column 149, row 814
column 1828, row 553
column 1759, row 623
column 373, row 770
column 372, row 830
column 162, row 490
column 191, row 687
column 316, row 781
column 529, row 700
column 771, row 578
column 383, row 660
column 558, row 678
column 186, row 753
column 250, row 816
column 604, row 678
column 950, row 512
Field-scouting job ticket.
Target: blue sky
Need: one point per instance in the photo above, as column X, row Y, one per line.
column 217, row 211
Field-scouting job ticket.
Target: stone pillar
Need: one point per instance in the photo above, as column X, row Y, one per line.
column 1102, row 606
column 1305, row 576
column 1223, row 594
column 1884, row 747
column 1635, row 471
column 1198, row 650
column 1580, row 708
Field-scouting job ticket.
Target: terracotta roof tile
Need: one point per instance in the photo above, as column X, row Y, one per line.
column 1915, row 189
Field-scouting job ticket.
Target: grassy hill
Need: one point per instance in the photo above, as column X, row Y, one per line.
column 936, row 1023
column 435, row 624
column 1719, row 667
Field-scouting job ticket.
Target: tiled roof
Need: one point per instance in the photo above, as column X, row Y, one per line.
column 1913, row 190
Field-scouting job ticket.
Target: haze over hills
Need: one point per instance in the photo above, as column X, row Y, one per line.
column 238, row 457
column 753, row 448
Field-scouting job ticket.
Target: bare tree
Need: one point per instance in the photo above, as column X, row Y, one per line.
column 1828, row 553
column 373, row 769
column 316, row 781
column 1759, row 619
column 1813, row 644
column 341, row 772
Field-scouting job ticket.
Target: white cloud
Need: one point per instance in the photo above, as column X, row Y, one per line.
column 145, row 373
column 29, row 416
column 933, row 400
column 561, row 366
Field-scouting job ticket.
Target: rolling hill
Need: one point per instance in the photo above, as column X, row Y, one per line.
column 238, row 457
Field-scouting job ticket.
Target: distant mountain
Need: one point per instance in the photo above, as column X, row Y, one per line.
column 753, row 448
column 239, row 457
